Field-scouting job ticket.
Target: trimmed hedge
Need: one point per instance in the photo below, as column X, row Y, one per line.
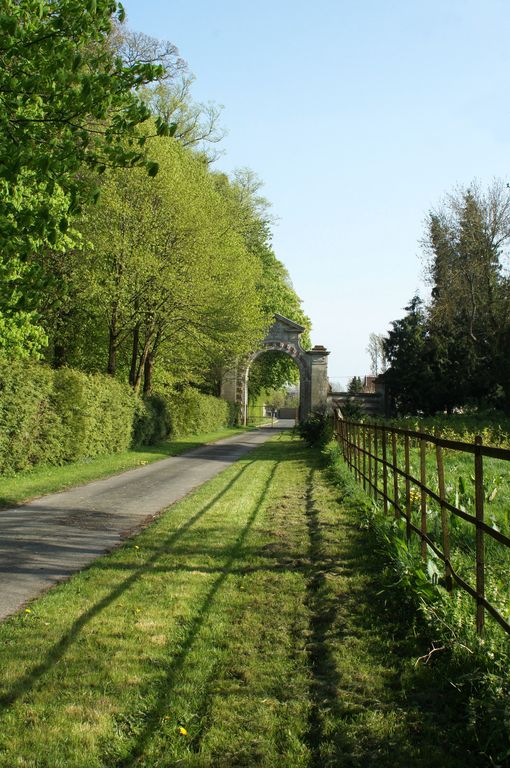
column 188, row 412
column 29, row 427
column 55, row 417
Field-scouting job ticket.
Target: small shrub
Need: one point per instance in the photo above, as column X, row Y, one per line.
column 109, row 408
column 144, row 422
column 317, row 430
column 67, row 399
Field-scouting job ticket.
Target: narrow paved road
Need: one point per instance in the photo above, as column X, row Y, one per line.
column 50, row 538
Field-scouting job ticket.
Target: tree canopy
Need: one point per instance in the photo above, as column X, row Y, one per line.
column 68, row 109
column 455, row 351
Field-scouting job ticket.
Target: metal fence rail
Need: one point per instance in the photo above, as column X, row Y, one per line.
column 371, row 452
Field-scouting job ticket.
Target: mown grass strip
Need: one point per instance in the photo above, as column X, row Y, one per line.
column 243, row 628
column 16, row 489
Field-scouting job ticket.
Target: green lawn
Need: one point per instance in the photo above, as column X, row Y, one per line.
column 15, row 489
column 245, row 627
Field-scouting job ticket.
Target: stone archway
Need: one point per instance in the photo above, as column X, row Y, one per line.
column 283, row 336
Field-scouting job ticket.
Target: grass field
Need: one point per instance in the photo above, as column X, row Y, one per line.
column 249, row 626
column 15, row 489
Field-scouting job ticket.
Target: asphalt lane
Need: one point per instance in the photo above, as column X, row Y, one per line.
column 46, row 540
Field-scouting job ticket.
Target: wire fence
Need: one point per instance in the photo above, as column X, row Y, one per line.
column 383, row 460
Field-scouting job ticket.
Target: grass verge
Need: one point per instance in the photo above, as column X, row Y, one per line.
column 467, row 673
column 246, row 627
column 16, row 489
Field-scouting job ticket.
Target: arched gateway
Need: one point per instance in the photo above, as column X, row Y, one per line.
column 283, row 336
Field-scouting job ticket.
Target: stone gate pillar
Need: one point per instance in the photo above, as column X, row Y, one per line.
column 318, row 357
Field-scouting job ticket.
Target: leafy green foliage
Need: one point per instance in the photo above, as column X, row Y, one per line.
column 64, row 415
column 29, row 427
column 189, row 411
column 169, row 271
column 252, row 220
column 272, row 370
column 167, row 283
column 68, row 106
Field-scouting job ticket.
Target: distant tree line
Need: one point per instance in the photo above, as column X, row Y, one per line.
column 454, row 351
column 122, row 250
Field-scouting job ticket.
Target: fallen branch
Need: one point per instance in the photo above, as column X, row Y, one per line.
column 426, row 658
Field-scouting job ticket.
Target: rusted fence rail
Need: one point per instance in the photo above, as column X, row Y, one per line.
column 371, row 451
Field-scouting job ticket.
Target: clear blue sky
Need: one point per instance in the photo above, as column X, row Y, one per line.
column 359, row 117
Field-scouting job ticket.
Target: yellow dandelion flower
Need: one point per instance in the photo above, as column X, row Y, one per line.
column 183, row 731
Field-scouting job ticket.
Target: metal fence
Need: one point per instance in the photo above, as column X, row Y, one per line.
column 372, row 450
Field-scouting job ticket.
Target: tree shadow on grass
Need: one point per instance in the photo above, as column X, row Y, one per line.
column 155, row 716
column 31, row 678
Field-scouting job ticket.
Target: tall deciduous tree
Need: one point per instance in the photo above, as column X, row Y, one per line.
column 170, row 99
column 67, row 104
column 375, row 349
column 168, row 278
column 253, row 220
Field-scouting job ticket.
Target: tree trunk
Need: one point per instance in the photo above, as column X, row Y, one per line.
column 60, row 354
column 141, row 367
column 134, row 354
column 149, row 363
column 147, row 374
column 112, row 344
